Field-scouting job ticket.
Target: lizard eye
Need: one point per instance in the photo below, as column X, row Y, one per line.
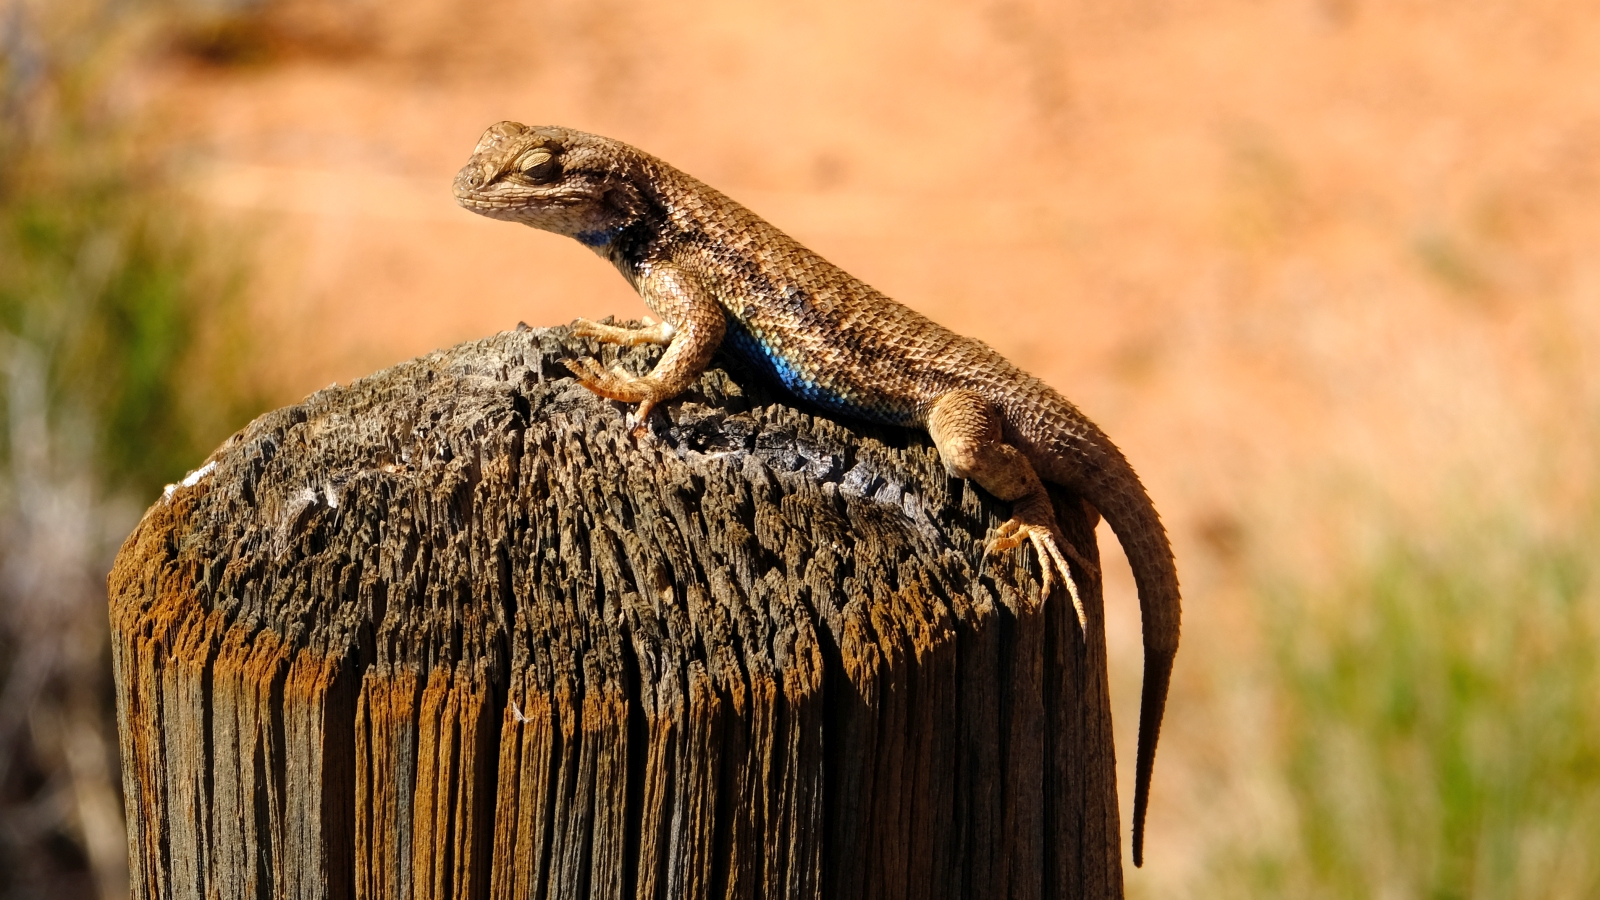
column 538, row 166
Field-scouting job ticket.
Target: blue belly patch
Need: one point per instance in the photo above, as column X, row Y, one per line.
column 767, row 359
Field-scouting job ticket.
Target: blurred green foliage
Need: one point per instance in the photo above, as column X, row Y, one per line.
column 1441, row 723
column 123, row 362
column 133, row 311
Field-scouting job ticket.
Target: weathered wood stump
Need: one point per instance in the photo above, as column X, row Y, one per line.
column 451, row 631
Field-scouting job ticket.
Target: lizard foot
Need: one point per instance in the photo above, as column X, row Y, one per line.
column 615, row 384
column 1048, row 544
column 651, row 333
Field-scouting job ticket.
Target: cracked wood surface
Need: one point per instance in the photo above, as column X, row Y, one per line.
column 449, row 631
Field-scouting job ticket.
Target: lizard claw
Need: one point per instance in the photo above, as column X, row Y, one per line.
column 1048, row 545
column 615, row 384
column 638, row 422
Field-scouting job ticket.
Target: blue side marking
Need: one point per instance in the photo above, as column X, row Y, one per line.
column 765, row 359
column 600, row 238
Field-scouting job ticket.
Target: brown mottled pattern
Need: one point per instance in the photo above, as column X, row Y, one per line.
column 715, row 271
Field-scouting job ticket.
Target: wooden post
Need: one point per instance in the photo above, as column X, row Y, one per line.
column 451, row 631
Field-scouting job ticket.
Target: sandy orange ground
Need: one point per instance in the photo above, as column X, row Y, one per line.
column 1321, row 268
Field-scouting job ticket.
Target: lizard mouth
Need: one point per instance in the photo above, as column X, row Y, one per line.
column 495, row 209
column 474, row 200
column 476, row 190
column 503, row 213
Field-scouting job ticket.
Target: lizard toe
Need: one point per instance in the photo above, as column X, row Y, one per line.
column 616, row 384
column 1009, row 535
column 1052, row 561
column 587, row 328
column 1050, row 557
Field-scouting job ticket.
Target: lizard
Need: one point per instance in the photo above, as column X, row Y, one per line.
column 715, row 273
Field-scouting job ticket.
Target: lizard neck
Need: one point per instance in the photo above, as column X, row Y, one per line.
column 664, row 214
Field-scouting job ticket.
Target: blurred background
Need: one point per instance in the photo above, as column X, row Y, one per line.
column 1327, row 271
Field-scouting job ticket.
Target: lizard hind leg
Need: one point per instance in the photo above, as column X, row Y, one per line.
column 968, row 432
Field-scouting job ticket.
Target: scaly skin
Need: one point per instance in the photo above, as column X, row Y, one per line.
column 714, row 271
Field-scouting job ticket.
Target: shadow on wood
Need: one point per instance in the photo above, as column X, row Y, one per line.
column 451, row 632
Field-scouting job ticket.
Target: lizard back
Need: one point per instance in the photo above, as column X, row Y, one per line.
column 825, row 335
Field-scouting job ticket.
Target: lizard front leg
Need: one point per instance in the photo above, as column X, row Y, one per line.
column 692, row 328
column 967, row 430
column 649, row 333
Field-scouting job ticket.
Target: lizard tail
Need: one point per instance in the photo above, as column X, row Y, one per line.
column 1157, row 677
column 1069, row 450
column 1127, row 508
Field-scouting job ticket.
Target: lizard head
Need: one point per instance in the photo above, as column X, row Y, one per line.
column 550, row 178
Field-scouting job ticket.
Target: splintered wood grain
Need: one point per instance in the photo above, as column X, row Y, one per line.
column 452, row 631
column 387, row 718
column 452, row 803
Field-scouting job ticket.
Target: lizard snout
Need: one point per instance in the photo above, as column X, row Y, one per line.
column 472, row 178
